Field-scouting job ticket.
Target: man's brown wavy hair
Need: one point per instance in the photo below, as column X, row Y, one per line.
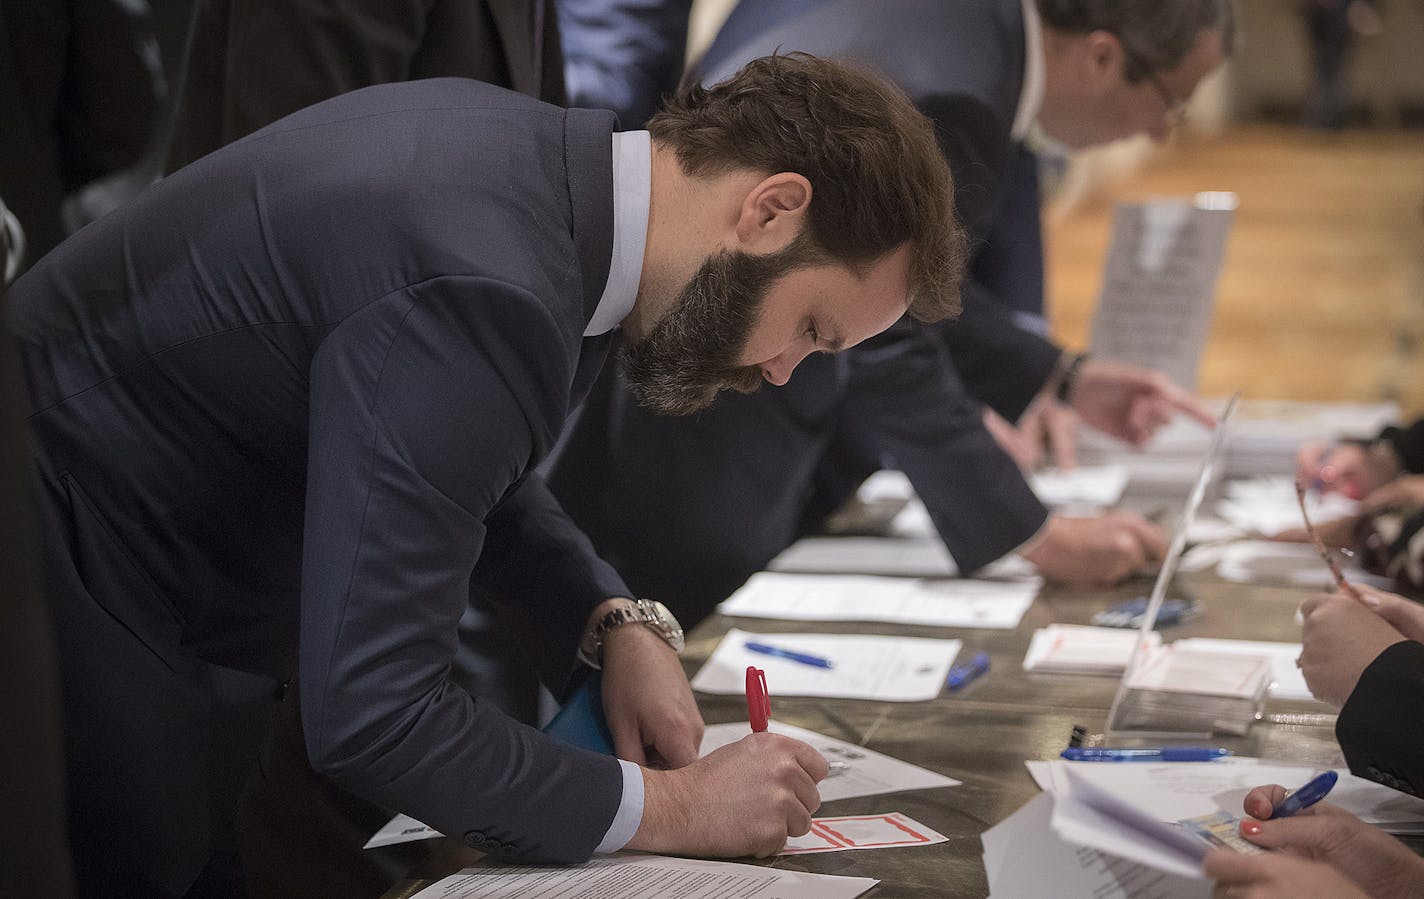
column 878, row 177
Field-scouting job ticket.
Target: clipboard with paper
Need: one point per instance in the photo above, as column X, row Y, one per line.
column 1184, row 693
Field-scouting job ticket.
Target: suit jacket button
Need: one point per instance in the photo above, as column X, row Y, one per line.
column 475, row 839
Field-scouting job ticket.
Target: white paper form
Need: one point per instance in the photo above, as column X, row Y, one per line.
column 890, row 830
column 1087, row 815
column 1286, row 680
column 1078, row 649
column 894, row 669
column 831, row 597
column 859, row 771
column 644, row 877
column 1172, row 791
column 1024, row 857
column 1087, row 485
column 1159, row 282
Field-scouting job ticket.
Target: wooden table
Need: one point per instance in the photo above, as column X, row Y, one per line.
column 983, row 734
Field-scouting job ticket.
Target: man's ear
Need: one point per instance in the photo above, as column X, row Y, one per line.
column 773, row 213
column 1104, row 59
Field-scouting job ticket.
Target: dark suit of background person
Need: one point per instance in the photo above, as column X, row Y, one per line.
column 250, row 62
column 688, row 509
column 80, row 83
column 1379, row 728
column 288, row 299
column 623, row 55
column 36, row 857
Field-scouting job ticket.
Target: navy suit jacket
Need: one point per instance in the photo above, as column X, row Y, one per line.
column 309, row 374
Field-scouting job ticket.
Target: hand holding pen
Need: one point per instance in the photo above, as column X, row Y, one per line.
column 758, row 700
column 1371, row 861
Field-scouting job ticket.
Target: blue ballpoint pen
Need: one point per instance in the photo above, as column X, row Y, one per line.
column 767, row 649
column 1312, row 792
column 1165, row 754
column 963, row 674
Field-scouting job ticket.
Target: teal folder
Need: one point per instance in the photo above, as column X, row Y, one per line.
column 580, row 721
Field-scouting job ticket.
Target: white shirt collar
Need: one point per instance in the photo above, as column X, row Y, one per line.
column 632, row 193
column 1031, row 95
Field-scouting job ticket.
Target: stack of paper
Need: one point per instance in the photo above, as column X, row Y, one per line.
column 1076, row 649
column 895, row 669
column 1192, row 691
column 1286, row 680
column 831, row 597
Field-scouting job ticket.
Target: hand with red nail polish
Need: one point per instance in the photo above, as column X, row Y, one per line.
column 1323, row 851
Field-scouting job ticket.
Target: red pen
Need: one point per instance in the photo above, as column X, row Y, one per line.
column 758, row 699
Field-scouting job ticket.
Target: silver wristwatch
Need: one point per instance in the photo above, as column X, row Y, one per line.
column 647, row 612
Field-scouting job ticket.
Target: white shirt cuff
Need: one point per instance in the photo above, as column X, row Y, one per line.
column 630, row 810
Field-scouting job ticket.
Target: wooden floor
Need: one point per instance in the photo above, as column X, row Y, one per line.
column 1322, row 294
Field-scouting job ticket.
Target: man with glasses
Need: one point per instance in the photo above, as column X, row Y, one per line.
column 689, row 508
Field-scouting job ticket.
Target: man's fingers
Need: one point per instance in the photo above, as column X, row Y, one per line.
column 1153, row 540
column 807, row 796
column 811, row 761
column 628, row 744
column 1062, row 436
column 1188, row 405
column 677, row 752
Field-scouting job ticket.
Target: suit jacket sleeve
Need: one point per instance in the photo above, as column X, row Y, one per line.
column 427, row 407
column 1002, row 364
column 533, row 549
column 1379, row 728
column 929, row 428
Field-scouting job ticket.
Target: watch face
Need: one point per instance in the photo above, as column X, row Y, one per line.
column 672, row 630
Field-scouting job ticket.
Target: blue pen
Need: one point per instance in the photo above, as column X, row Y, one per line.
column 1313, row 791
column 1165, row 754
column 769, row 650
column 963, row 674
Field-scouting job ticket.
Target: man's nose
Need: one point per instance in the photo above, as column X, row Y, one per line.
column 778, row 370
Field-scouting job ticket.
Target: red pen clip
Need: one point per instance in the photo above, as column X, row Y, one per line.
column 758, row 699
